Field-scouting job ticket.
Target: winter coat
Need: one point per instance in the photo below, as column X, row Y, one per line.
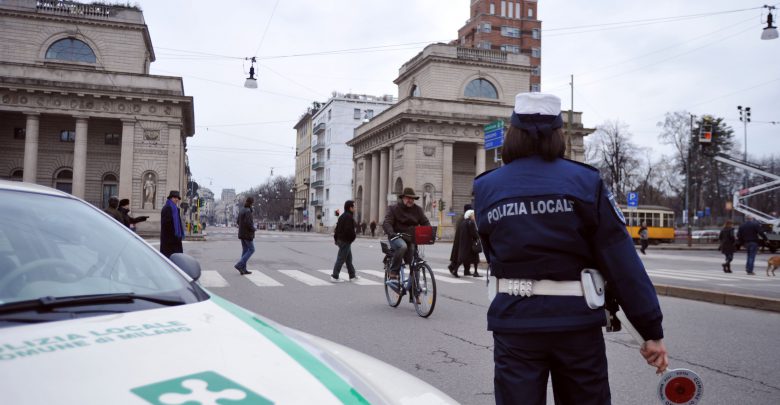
column 455, row 252
column 114, row 214
column 345, row 228
column 468, row 234
column 246, row 224
column 727, row 241
column 169, row 242
column 403, row 219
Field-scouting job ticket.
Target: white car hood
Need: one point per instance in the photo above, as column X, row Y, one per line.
column 199, row 352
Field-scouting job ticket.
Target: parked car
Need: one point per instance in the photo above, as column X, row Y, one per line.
column 706, row 236
column 92, row 314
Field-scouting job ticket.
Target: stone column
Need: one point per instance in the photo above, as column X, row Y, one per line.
column 383, row 182
column 126, row 164
column 390, row 183
column 366, row 203
column 446, row 159
column 374, row 210
column 410, row 164
column 173, row 181
column 80, row 157
column 480, row 159
column 30, row 173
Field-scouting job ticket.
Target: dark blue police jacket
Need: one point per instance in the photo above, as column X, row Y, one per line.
column 547, row 220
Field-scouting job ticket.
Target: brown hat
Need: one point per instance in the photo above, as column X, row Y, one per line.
column 174, row 194
column 409, row 192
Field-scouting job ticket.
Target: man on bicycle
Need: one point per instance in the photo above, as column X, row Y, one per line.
column 402, row 218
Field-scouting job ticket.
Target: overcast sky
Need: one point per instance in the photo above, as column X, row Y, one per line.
column 633, row 72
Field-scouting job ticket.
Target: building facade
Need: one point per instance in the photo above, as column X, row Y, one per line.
column 331, row 157
column 303, row 130
column 79, row 110
column 508, row 26
column 432, row 140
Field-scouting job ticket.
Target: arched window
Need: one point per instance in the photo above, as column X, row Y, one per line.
column 71, row 50
column 110, row 187
column 415, row 91
column 17, row 175
column 63, row 181
column 481, row 88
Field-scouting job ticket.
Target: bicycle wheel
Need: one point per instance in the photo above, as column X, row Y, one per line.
column 424, row 290
column 393, row 297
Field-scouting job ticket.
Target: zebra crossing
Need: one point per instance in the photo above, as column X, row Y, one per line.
column 711, row 276
column 316, row 278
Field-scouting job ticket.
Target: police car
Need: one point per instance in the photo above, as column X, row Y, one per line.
column 92, row 314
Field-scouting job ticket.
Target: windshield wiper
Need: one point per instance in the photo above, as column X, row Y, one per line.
column 48, row 303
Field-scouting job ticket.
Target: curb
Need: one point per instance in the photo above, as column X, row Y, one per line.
column 717, row 297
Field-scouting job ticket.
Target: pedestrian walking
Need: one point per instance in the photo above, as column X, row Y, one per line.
column 545, row 222
column 171, row 228
column 343, row 236
column 363, row 227
column 455, row 252
column 750, row 235
column 727, row 245
column 373, row 228
column 644, row 237
column 129, row 221
column 246, row 233
column 113, row 209
column 469, row 245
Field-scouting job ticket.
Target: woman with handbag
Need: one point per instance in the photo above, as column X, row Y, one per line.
column 469, row 246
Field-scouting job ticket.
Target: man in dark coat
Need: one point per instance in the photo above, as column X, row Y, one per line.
column 749, row 236
column 402, row 218
column 171, row 228
column 124, row 209
column 468, row 237
column 373, row 228
column 344, row 235
column 246, row 232
column 112, row 209
column 455, row 253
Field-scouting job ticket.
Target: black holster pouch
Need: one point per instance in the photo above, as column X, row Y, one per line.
column 611, row 306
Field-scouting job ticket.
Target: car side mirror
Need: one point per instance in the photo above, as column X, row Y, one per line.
column 188, row 264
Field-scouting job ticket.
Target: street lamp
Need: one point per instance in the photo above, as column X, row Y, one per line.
column 688, row 185
column 770, row 31
column 744, row 116
column 251, row 82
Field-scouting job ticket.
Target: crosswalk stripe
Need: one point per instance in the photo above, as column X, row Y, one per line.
column 261, row 279
column 359, row 281
column 375, row 273
column 450, row 279
column 652, row 274
column 703, row 275
column 212, row 278
column 305, row 278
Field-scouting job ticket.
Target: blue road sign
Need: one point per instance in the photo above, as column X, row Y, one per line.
column 633, row 199
column 494, row 139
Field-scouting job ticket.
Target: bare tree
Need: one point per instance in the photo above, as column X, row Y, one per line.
column 618, row 159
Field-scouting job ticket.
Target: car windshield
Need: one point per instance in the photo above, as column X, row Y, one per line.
column 54, row 246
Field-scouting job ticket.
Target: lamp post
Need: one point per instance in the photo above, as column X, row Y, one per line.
column 688, row 185
column 770, row 31
column 744, row 116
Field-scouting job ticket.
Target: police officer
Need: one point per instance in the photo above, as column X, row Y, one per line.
column 543, row 219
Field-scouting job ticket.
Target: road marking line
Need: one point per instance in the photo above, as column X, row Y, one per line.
column 375, row 273
column 262, row 280
column 449, row 278
column 676, row 277
column 693, row 274
column 211, row 279
column 360, row 281
column 305, row 278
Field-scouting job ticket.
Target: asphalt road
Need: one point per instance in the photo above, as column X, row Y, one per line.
column 733, row 349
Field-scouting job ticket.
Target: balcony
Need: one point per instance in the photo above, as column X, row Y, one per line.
column 319, row 128
column 318, row 165
column 316, row 203
column 318, row 147
column 318, row 184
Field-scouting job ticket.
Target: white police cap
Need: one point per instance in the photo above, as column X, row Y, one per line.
column 537, row 103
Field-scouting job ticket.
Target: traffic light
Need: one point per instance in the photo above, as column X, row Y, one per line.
column 705, row 134
column 441, row 205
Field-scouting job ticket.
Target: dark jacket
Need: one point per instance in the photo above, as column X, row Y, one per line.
column 114, row 214
column 727, row 240
column 345, row 228
column 128, row 220
column 401, row 218
column 169, row 242
column 750, row 232
column 455, row 252
column 548, row 220
column 468, row 234
column 246, row 224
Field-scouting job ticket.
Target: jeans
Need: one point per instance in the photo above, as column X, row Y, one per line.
column 752, row 250
column 247, row 250
column 401, row 251
column 344, row 256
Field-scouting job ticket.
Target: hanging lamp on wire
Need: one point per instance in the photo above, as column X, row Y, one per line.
column 251, row 82
column 770, row 31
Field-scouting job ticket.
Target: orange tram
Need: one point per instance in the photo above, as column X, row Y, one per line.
column 659, row 221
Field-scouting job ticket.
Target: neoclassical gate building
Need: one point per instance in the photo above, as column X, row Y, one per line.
column 433, row 139
column 79, row 110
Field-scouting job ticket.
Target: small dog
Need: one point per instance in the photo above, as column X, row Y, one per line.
column 772, row 264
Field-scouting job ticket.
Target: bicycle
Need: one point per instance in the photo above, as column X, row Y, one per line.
column 421, row 284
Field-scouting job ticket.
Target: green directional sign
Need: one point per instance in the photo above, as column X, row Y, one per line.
column 494, row 126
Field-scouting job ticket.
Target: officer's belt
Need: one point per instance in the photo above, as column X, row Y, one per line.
column 528, row 288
